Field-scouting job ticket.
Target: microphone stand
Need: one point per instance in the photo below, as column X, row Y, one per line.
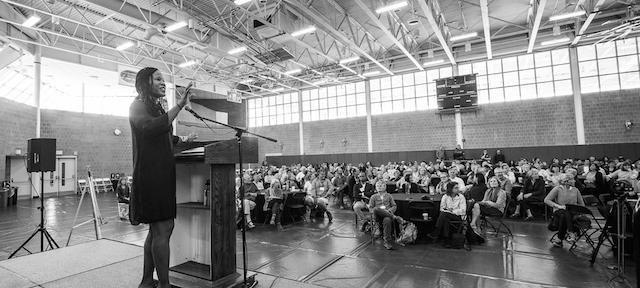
column 239, row 131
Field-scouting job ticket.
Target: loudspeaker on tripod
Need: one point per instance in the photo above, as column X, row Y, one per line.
column 41, row 155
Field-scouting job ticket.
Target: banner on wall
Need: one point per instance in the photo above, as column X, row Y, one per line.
column 127, row 75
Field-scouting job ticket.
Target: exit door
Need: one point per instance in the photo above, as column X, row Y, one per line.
column 62, row 180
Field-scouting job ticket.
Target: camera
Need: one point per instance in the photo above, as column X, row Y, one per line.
column 623, row 187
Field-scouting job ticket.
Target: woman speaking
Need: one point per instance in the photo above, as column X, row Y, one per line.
column 153, row 191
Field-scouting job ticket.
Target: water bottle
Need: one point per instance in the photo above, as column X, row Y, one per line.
column 407, row 188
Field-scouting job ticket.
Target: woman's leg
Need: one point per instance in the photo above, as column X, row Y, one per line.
column 147, row 270
column 475, row 214
column 161, row 233
column 564, row 224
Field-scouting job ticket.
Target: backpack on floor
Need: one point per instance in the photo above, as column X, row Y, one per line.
column 408, row 232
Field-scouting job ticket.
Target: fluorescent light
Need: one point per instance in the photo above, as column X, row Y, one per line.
column 175, row 26
column 32, row 20
column 240, row 2
column 294, row 71
column 349, row 60
column 278, row 89
column 434, row 62
column 391, row 7
column 319, row 82
column 371, row 73
column 303, row 31
column 555, row 41
column 187, row 64
column 237, row 50
column 463, row 36
column 567, row 15
column 125, row 46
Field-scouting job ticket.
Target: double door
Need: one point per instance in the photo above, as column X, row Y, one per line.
column 63, row 180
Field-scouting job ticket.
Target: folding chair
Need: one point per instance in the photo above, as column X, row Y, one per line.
column 585, row 233
column 295, row 203
column 486, row 220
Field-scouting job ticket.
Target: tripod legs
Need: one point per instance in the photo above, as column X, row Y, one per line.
column 44, row 234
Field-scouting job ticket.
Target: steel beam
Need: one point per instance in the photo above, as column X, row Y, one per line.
column 434, row 16
column 592, row 15
column 318, row 19
column 387, row 33
column 537, row 7
column 484, row 8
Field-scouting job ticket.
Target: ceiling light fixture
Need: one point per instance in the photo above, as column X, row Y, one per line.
column 187, row 64
column 31, row 21
column 175, row 26
column 237, row 50
column 431, row 63
column 463, row 36
column 391, row 7
column 371, row 73
column 240, row 2
column 319, row 82
column 294, row 71
column 124, row 46
column 278, row 90
column 555, row 41
column 567, row 15
column 303, row 31
column 349, row 60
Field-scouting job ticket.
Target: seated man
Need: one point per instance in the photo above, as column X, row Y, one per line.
column 453, row 177
column 339, row 181
column 452, row 207
column 317, row 190
column 406, row 184
column 492, row 205
column 383, row 207
column 458, row 153
column 532, row 191
column 362, row 191
column 441, row 188
column 250, row 192
column 557, row 199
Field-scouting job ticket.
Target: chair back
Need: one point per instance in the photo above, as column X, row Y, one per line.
column 391, row 188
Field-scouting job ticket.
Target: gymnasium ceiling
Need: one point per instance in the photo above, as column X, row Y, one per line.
column 386, row 43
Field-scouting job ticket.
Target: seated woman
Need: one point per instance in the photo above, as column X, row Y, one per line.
column 317, row 188
column 594, row 181
column 274, row 196
column 557, row 199
column 452, row 207
column 492, row 204
column 476, row 192
column 532, row 191
column 383, row 207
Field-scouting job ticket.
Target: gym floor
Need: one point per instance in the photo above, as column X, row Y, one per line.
column 337, row 255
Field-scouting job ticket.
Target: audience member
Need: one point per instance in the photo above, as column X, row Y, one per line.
column 320, row 188
column 339, row 181
column 453, row 207
column 274, row 197
column 384, row 207
column 558, row 198
column 476, row 192
column 485, row 156
column 492, row 204
column 498, row 157
column 453, row 177
column 532, row 191
column 362, row 191
column 458, row 153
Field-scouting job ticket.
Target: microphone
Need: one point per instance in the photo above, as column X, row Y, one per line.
column 192, row 112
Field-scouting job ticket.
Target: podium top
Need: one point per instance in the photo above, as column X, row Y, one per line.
column 226, row 151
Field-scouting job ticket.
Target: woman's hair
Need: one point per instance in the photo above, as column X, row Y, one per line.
column 480, row 179
column 494, row 178
column 450, row 187
column 143, row 87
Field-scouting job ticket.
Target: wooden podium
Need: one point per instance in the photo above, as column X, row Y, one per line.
column 203, row 245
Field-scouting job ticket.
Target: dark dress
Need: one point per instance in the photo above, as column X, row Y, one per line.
column 153, row 191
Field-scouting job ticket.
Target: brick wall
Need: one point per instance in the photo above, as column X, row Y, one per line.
column 540, row 122
column 18, row 125
column 412, row 131
column 332, row 133
column 605, row 114
column 288, row 140
column 92, row 137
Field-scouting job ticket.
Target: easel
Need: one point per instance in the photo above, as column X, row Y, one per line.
column 97, row 217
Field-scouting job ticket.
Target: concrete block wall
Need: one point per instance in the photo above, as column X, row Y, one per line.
column 539, row 122
column 605, row 114
column 287, row 135
column 92, row 137
column 327, row 137
column 18, row 125
column 412, row 131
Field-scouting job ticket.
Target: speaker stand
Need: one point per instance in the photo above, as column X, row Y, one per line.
column 41, row 229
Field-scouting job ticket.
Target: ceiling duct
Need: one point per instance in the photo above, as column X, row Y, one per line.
column 274, row 56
